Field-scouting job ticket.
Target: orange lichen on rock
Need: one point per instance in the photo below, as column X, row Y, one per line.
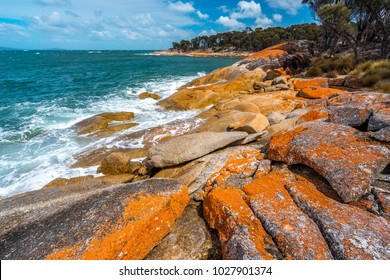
column 351, row 233
column 295, row 234
column 317, row 113
column 270, row 53
column 341, row 154
column 145, row 220
column 240, row 232
column 305, row 83
column 315, row 92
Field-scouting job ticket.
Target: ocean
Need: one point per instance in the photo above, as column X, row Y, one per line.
column 43, row 93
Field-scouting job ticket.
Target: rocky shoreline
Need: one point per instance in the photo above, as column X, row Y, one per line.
column 208, row 53
column 274, row 167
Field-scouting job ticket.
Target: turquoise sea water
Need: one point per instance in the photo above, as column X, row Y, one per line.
column 43, row 93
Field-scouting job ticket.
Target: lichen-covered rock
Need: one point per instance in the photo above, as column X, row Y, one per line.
column 315, row 82
column 350, row 232
column 240, row 232
column 73, row 222
column 344, row 156
column 191, row 146
column 189, row 239
column 295, row 234
column 379, row 120
column 352, row 113
column 382, row 134
column 318, row 92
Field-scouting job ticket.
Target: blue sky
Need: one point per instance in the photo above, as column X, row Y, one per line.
column 134, row 24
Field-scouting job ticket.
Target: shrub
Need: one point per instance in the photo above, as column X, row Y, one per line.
column 383, row 86
column 373, row 72
column 332, row 74
column 314, row 71
column 338, row 65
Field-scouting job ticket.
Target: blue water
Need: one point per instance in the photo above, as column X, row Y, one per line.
column 43, row 93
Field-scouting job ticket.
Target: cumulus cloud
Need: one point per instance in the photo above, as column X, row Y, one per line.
column 181, row 7
column 224, row 9
column 290, row 6
column 277, row 17
column 264, row 22
column 247, row 10
column 202, row 16
column 230, row 22
column 143, row 19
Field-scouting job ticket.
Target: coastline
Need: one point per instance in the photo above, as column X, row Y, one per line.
column 237, row 161
column 204, row 53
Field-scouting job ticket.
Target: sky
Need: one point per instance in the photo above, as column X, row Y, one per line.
column 135, row 24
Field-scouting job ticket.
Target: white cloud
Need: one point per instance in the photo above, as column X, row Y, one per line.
column 224, row 9
column 230, row 22
column 181, row 7
column 277, row 17
column 143, row 20
column 290, row 6
column 202, row 16
column 247, row 10
column 264, row 22
column 207, row 32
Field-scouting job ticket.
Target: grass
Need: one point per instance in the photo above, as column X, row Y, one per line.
column 339, row 65
column 374, row 74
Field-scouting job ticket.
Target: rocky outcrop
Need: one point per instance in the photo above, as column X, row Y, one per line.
column 350, row 232
column 145, row 95
column 343, row 155
column 191, row 146
column 241, row 234
column 118, row 222
column 296, row 235
column 379, row 120
column 119, row 163
column 239, row 78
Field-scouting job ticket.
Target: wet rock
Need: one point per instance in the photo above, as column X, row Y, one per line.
column 119, row 163
column 275, row 118
column 95, row 157
column 145, row 95
column 351, row 233
column 100, row 121
column 352, row 113
column 118, row 222
column 295, row 234
column 341, row 154
column 240, row 232
column 191, row 146
column 190, row 239
column 379, row 120
column 59, row 182
column 113, row 128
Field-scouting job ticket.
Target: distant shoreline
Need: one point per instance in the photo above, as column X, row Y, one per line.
column 204, row 53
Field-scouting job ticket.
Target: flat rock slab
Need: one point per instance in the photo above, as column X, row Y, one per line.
column 348, row 159
column 379, row 120
column 240, row 232
column 352, row 113
column 78, row 222
column 351, row 233
column 296, row 235
column 188, row 147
